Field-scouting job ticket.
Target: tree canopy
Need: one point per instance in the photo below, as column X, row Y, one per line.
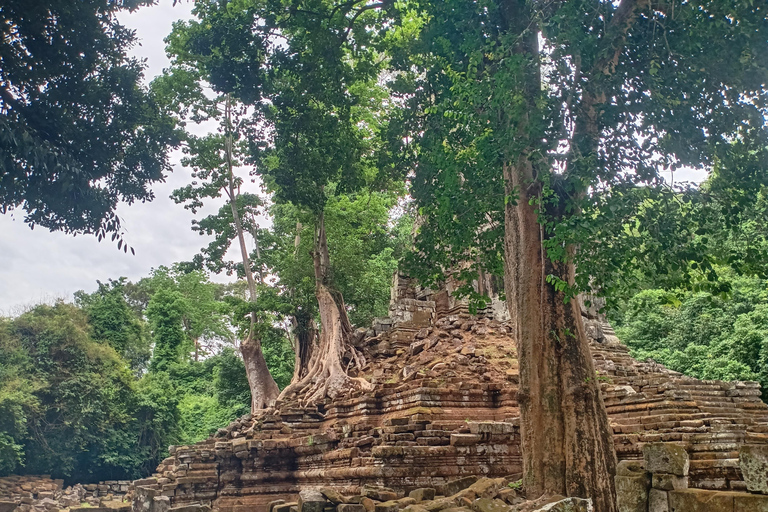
column 78, row 131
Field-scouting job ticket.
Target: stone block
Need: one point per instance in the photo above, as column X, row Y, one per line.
column 667, row 482
column 311, row 500
column 568, row 505
column 464, row 439
column 750, row 503
column 753, row 460
column 368, row 504
column 630, row 467
column 454, row 486
column 7, row 506
column 350, row 507
column 332, row 495
column 666, row 458
column 658, row 501
column 272, row 504
column 489, row 505
column 194, row 507
column 387, row 506
column 632, row 492
column 379, row 493
column 285, row 507
column 700, row 500
column 422, row 494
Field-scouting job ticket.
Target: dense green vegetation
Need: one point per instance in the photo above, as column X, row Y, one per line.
column 83, row 396
column 701, row 334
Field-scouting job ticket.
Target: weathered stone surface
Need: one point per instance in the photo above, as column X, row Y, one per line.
column 568, row 505
column 700, row 500
column 465, row 439
column 350, row 507
column 387, row 506
column 311, row 500
column 630, row 467
column 753, row 460
column 423, row 493
column 489, row 505
column 379, row 493
column 454, row 486
column 667, row 482
column 285, row 507
column 272, row 504
column 750, row 503
column 658, row 501
column 7, row 506
column 332, row 495
column 632, row 492
column 195, row 507
column 666, row 458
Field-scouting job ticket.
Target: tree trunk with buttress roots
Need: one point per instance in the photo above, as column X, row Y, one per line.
column 566, row 440
column 326, row 375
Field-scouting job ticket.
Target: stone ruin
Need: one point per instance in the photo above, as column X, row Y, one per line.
column 444, row 408
column 443, row 420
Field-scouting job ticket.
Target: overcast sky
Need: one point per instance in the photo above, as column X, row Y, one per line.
column 40, row 265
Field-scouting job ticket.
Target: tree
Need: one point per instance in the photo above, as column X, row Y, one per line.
column 78, row 133
column 327, row 116
column 530, row 120
column 216, row 158
column 113, row 321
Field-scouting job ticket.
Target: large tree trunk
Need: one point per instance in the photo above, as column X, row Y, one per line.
column 326, row 374
column 264, row 390
column 305, row 343
column 566, row 442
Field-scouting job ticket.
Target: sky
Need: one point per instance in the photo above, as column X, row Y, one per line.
column 41, row 266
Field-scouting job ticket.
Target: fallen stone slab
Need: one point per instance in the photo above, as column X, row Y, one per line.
column 489, row 505
column 568, row 505
column 350, row 507
column 454, row 486
column 311, row 500
column 700, row 500
column 8, row 506
column 666, row 458
column 423, row 494
column 753, row 460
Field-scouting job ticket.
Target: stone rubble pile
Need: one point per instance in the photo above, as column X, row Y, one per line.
column 43, row 494
column 660, row 483
column 468, row 494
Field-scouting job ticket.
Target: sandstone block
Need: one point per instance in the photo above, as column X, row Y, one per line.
column 658, row 501
column 195, row 507
column 350, row 507
column 666, row 458
column 454, row 486
column 667, row 482
column 7, row 506
column 489, row 505
column 632, row 492
column 464, row 439
column 284, row 507
column 753, row 460
column 422, row 494
column 332, row 495
column 568, row 505
column 272, row 504
column 379, row 493
column 700, row 500
column 630, row 467
column 368, row 504
column 486, row 487
column 387, row 506
column 750, row 503
column 311, row 500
